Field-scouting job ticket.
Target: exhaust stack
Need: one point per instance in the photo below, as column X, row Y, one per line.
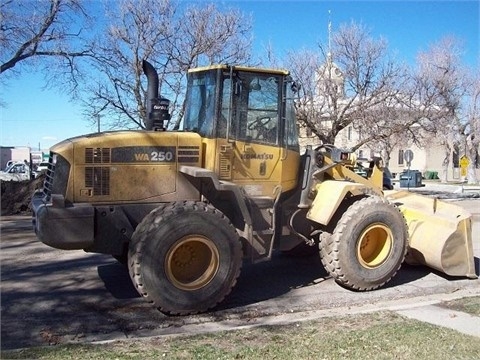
column 157, row 107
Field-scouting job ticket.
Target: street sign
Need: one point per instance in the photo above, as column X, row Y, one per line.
column 408, row 156
column 464, row 162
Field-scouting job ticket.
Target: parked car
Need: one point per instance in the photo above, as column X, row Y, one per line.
column 18, row 171
column 387, row 179
column 42, row 167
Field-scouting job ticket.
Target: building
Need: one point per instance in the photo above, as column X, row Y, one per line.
column 428, row 160
column 13, row 153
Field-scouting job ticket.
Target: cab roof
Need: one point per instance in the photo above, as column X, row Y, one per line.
column 241, row 68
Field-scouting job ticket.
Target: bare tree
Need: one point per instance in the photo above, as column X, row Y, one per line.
column 49, row 29
column 138, row 30
column 207, row 36
column 471, row 130
column 442, row 89
column 347, row 84
column 171, row 40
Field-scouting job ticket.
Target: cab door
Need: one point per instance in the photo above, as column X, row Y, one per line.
column 253, row 145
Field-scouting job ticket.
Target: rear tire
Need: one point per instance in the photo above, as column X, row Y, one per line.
column 185, row 257
column 368, row 245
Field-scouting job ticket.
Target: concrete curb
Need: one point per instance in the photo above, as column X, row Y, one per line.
column 411, row 307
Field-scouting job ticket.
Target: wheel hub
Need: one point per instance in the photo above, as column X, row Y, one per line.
column 374, row 245
column 192, row 262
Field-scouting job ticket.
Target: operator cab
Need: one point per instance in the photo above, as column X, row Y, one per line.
column 241, row 103
column 246, row 117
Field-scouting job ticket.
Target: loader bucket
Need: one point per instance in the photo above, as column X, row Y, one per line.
column 440, row 233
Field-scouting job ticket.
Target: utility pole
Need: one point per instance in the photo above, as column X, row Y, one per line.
column 98, row 122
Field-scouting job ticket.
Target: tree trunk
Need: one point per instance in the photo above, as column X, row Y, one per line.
column 446, row 163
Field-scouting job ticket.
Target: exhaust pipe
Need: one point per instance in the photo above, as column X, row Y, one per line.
column 157, row 107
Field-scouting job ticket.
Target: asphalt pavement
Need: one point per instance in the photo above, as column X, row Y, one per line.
column 51, row 296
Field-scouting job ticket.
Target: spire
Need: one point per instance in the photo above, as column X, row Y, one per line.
column 329, row 55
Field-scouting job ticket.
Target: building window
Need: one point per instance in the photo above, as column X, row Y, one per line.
column 349, row 133
column 309, row 131
column 360, row 154
column 400, row 157
column 456, row 158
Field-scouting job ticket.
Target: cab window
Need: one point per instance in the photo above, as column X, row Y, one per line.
column 200, row 114
column 257, row 108
column 291, row 132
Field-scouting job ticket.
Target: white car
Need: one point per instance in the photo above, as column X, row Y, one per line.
column 18, row 171
column 42, row 167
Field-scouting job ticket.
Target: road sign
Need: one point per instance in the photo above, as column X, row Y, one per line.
column 408, row 156
column 464, row 162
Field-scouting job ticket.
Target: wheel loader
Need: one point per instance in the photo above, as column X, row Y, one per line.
column 184, row 209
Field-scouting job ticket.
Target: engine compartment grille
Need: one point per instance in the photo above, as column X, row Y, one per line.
column 98, row 178
column 98, row 155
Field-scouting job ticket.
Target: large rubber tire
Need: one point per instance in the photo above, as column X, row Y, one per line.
column 185, row 257
column 326, row 253
column 368, row 245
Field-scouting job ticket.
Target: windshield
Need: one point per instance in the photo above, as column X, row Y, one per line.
column 200, row 113
column 7, row 169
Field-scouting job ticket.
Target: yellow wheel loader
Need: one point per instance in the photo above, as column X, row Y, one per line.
column 184, row 208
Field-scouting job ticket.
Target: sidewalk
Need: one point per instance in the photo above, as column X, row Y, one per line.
column 439, row 316
column 457, row 190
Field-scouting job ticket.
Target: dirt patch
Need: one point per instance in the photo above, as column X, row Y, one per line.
column 469, row 305
column 16, row 195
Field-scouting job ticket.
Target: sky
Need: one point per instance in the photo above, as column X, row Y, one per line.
column 38, row 117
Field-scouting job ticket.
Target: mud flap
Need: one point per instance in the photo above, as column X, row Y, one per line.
column 440, row 233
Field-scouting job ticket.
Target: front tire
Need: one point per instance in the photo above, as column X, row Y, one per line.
column 185, row 257
column 368, row 244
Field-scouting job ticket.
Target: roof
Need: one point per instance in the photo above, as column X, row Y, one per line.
column 241, row 68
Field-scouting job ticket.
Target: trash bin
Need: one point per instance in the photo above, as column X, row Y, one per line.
column 431, row 175
column 411, row 179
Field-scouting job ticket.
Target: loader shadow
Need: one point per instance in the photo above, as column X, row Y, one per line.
column 117, row 281
column 257, row 282
column 271, row 279
column 410, row 273
column 266, row 280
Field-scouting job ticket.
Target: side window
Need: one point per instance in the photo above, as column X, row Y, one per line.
column 258, row 108
column 291, row 130
column 225, row 112
column 262, row 117
column 18, row 169
column 200, row 113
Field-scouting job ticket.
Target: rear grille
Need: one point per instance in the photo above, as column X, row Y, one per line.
column 98, row 178
column 56, row 177
column 48, row 184
column 97, row 155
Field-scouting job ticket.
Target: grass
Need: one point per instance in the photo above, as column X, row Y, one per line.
column 470, row 305
column 382, row 335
